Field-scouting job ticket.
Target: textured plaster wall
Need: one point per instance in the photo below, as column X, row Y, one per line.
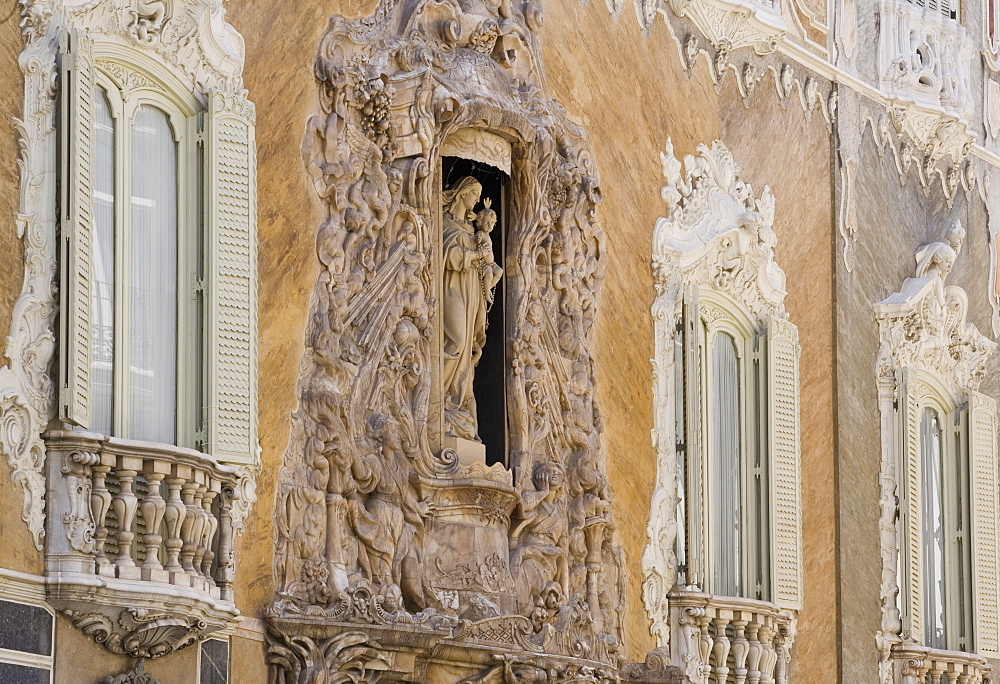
column 16, row 545
column 629, row 92
column 894, row 219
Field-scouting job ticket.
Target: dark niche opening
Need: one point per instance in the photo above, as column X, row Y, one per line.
column 489, row 384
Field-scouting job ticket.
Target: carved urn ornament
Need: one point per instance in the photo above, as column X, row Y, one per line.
column 444, row 513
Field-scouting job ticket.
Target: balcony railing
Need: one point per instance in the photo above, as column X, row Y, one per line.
column 140, row 534
column 726, row 640
column 915, row 664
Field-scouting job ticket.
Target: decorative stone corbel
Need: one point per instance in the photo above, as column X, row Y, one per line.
column 138, row 633
column 137, row 675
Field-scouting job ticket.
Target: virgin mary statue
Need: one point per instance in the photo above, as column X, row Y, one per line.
column 469, row 274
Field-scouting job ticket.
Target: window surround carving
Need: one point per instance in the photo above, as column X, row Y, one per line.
column 718, row 236
column 182, row 47
column 930, row 355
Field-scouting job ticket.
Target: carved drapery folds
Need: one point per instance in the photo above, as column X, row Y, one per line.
column 379, row 523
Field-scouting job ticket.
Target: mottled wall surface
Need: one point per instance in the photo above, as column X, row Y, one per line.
column 894, row 219
column 16, row 545
column 586, row 58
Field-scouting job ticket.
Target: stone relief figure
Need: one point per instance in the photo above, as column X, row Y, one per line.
column 378, row 524
column 470, row 273
column 539, row 543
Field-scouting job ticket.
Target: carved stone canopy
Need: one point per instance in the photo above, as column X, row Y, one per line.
column 716, row 232
column 924, row 325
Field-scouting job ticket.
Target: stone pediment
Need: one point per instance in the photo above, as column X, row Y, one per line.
column 925, row 325
column 716, row 232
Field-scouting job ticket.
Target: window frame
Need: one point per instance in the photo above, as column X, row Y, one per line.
column 129, row 79
column 718, row 313
column 959, row 597
column 34, row 660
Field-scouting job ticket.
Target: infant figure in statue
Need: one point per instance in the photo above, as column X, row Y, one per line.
column 489, row 271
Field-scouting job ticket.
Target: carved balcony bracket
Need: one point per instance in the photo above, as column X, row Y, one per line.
column 730, row 25
column 139, row 545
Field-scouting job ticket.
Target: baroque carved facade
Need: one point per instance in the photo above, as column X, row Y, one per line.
column 396, row 555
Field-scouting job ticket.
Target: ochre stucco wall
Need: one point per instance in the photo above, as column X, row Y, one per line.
column 630, row 93
column 16, row 544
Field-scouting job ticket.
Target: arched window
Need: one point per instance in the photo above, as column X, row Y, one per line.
column 158, row 229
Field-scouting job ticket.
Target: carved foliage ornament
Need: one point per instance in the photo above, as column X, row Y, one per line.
column 715, row 232
column 375, row 511
column 138, row 633
column 925, row 326
column 191, row 37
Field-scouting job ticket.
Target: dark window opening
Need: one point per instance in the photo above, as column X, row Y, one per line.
column 489, row 383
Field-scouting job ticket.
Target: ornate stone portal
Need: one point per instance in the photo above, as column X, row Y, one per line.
column 396, row 561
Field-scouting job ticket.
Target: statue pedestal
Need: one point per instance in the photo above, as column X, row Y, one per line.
column 465, row 548
column 468, row 451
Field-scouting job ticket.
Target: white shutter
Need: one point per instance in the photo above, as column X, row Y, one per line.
column 986, row 570
column 694, row 466
column 908, row 486
column 77, row 97
column 784, row 448
column 231, row 279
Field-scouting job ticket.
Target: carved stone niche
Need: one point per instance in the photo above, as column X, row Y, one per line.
column 398, row 560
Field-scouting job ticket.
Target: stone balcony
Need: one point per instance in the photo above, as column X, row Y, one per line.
column 139, row 541
column 915, row 664
column 925, row 57
column 721, row 639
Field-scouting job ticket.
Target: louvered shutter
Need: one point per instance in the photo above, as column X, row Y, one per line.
column 694, row 467
column 76, row 109
column 908, row 415
column 231, row 279
column 782, row 348
column 985, row 515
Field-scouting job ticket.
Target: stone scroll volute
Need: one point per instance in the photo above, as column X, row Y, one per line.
column 378, row 520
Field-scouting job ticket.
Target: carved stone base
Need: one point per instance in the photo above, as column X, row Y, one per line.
column 468, row 451
column 308, row 651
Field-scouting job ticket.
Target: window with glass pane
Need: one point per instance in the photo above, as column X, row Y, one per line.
column 102, row 308
column 934, row 531
column 726, row 508
column 152, row 347
column 134, row 298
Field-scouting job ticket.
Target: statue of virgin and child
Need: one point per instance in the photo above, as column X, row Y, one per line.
column 470, row 278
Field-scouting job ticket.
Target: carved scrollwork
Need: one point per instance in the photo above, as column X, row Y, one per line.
column 371, row 493
column 138, row 633
column 137, row 675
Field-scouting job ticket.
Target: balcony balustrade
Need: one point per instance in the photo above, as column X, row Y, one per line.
column 727, row 640
column 139, row 548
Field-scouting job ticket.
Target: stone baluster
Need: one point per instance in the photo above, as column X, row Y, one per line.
column 174, row 514
column 769, row 656
column 125, row 504
column 100, row 504
column 225, row 566
column 203, row 517
column 952, row 673
column 935, row 671
column 153, row 508
column 211, row 528
column 191, row 529
column 754, row 652
column 741, row 649
column 720, row 650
